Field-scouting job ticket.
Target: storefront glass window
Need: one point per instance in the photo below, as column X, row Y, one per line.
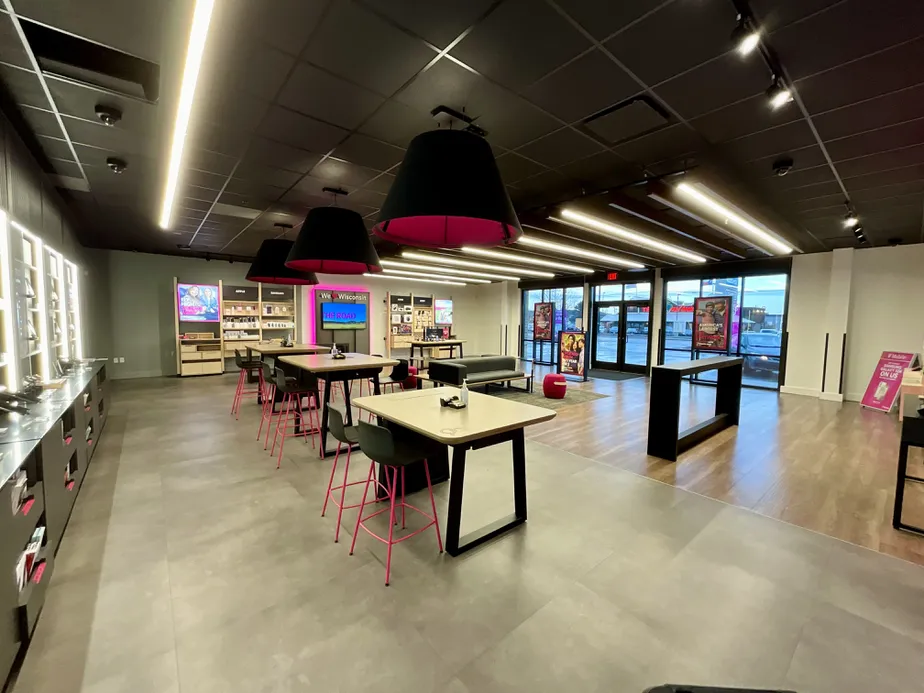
column 608, row 292
column 637, row 292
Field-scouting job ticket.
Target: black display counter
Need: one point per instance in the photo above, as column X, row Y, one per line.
column 912, row 435
column 665, row 440
column 45, row 454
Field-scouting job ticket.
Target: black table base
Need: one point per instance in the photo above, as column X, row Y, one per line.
column 912, row 435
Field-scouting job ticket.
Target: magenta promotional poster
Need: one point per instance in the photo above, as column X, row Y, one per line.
column 886, row 382
column 197, row 302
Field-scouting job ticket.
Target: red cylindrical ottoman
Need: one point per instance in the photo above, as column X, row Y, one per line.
column 554, row 386
column 411, row 382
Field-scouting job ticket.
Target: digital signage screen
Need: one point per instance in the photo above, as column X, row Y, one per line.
column 197, row 302
column 443, row 311
column 343, row 316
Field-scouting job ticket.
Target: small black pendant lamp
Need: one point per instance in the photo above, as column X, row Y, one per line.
column 448, row 193
column 269, row 267
column 334, row 240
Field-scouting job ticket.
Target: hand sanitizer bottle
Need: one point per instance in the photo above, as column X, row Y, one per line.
column 463, row 393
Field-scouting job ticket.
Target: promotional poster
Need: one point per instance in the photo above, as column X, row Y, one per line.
column 197, row 302
column 571, row 353
column 543, row 318
column 710, row 323
column 442, row 311
column 886, row 382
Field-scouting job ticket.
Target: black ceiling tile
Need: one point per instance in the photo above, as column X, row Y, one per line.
column 520, row 42
column 916, row 198
column 248, row 201
column 300, row 131
column 380, row 183
column 601, row 18
column 888, row 191
column 908, row 174
column 203, row 179
column 135, row 28
column 774, row 14
column 542, row 182
column 437, row 22
column 908, row 156
column 803, row 158
column 322, row 95
column 191, row 205
column 875, row 75
column 267, row 175
column 363, row 48
column 675, row 38
column 743, row 118
column 810, row 192
column 445, row 83
column 718, row 83
column 798, row 179
column 560, row 148
column 257, row 191
column 823, row 202
column 306, row 199
column 278, row 155
column 11, row 48
column 42, row 122
column 396, row 123
column 365, row 151
column 335, row 172
column 230, row 108
column 583, row 87
column 771, row 142
column 369, row 198
column 195, row 192
column 79, row 101
column 902, row 135
column 509, row 120
column 875, row 113
column 514, row 167
column 112, row 138
column 669, row 142
column 214, row 162
column 282, row 23
column 846, row 31
column 217, row 138
column 24, row 86
column 245, row 66
column 66, row 168
column 602, row 170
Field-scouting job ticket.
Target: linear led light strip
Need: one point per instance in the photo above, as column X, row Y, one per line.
column 197, row 36
column 446, row 270
column 413, row 279
column 580, row 252
column 39, row 258
column 594, row 224
column 710, row 201
column 528, row 259
column 62, row 313
column 435, row 276
column 78, row 333
column 476, row 265
column 12, row 382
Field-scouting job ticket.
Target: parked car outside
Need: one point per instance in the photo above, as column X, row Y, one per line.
column 761, row 351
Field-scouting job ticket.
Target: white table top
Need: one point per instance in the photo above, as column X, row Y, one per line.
column 276, row 349
column 420, row 411
column 324, row 363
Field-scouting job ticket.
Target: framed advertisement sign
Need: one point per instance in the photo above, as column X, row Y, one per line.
column 571, row 353
column 710, row 323
column 543, row 320
column 886, row 382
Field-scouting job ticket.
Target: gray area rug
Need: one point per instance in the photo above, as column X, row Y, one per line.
column 572, row 396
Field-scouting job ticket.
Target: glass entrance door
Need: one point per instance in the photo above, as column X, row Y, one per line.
column 621, row 330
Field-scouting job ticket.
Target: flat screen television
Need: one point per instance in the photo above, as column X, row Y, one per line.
column 197, row 302
column 442, row 311
column 343, row 316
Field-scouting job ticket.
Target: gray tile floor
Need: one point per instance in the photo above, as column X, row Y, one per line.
column 190, row 564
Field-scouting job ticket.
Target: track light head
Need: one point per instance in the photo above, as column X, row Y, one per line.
column 851, row 220
column 745, row 36
column 778, row 94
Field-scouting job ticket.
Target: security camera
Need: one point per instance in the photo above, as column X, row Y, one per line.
column 783, row 166
column 116, row 165
column 108, row 115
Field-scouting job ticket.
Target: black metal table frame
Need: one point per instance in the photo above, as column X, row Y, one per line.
column 456, row 545
column 344, row 377
column 900, row 480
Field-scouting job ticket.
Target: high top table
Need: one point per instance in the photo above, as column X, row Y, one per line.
column 665, row 440
column 450, row 344
column 331, row 370
column 484, row 422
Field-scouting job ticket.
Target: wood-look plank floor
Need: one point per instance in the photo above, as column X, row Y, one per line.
column 825, row 466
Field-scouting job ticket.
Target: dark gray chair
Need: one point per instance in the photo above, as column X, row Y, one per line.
column 348, row 435
column 247, row 369
column 398, row 375
column 379, row 445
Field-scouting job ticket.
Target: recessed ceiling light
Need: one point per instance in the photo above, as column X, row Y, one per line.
column 746, row 36
column 528, row 259
column 413, row 279
column 197, row 36
column 778, row 93
column 595, row 224
column 431, row 275
column 447, row 270
column 476, row 265
column 759, row 236
column 580, row 252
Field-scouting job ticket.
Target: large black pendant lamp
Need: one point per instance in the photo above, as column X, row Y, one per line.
column 334, row 240
column 448, row 193
column 269, row 267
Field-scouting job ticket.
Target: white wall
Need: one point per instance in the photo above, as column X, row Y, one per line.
column 808, row 303
column 885, row 310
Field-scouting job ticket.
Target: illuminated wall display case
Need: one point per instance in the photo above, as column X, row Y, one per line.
column 57, row 298
column 8, row 371
column 72, row 310
column 33, row 319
